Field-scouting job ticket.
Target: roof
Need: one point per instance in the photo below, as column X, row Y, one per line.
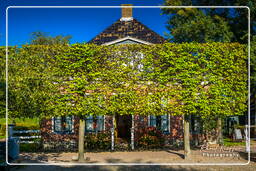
column 122, row 29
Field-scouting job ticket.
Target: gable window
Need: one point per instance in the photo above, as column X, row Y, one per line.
column 63, row 124
column 161, row 122
column 94, row 123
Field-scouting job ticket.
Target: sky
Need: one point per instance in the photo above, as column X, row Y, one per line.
column 81, row 23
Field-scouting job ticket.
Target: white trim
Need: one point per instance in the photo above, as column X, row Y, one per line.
column 104, row 123
column 126, row 19
column 26, row 131
column 73, row 123
column 127, row 38
column 52, row 124
column 169, row 123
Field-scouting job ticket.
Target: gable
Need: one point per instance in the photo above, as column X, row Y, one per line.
column 127, row 40
column 132, row 28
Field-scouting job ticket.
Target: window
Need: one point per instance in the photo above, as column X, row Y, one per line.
column 195, row 126
column 94, row 123
column 63, row 124
column 161, row 122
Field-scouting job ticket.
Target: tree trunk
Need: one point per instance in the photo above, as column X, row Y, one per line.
column 81, row 140
column 254, row 118
column 219, row 131
column 186, row 138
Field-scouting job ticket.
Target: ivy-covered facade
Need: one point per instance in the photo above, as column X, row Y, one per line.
column 126, row 30
column 132, row 82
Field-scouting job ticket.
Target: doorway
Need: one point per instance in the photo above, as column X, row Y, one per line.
column 124, row 124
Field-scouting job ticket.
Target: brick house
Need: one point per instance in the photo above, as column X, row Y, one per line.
column 126, row 30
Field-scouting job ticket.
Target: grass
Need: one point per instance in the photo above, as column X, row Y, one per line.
column 23, row 121
column 229, row 142
column 20, row 122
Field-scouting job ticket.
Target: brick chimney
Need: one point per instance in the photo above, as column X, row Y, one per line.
column 126, row 12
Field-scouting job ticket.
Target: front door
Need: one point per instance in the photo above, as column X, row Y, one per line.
column 124, row 124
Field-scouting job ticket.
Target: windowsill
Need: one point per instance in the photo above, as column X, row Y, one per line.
column 63, row 132
column 93, row 131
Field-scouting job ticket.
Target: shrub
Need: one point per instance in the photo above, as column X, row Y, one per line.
column 99, row 141
column 151, row 138
column 33, row 147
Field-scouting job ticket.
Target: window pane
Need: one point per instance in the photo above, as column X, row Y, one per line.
column 89, row 123
column 57, row 124
column 152, row 120
column 68, row 124
column 100, row 123
column 164, row 123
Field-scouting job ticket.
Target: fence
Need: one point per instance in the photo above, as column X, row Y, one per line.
column 24, row 139
column 27, row 139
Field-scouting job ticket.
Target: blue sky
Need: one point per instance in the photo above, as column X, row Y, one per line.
column 82, row 24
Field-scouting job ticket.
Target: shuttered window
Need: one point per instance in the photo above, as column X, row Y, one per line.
column 89, row 124
column 161, row 122
column 63, row 124
column 152, row 121
column 164, row 123
column 100, row 123
column 94, row 123
column 57, row 124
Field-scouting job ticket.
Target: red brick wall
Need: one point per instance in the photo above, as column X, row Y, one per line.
column 48, row 135
column 176, row 127
column 140, row 122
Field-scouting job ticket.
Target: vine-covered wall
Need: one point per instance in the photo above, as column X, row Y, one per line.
column 206, row 80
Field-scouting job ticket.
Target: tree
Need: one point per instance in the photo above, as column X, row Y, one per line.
column 193, row 25
column 211, row 24
column 212, row 79
column 41, row 38
column 253, row 78
column 30, row 73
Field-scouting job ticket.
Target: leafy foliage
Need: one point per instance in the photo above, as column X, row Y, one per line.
column 98, row 141
column 253, row 67
column 200, row 79
column 41, row 38
column 30, row 74
column 210, row 24
column 151, row 138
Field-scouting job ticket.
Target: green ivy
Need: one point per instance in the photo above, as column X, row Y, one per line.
column 82, row 79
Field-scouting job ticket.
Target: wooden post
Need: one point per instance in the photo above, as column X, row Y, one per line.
column 132, row 133
column 187, row 150
column 219, row 131
column 81, row 140
column 112, row 138
column 247, row 142
column 113, row 134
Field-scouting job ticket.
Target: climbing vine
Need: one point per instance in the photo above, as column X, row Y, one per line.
column 82, row 79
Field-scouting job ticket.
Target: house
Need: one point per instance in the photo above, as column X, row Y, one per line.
column 126, row 30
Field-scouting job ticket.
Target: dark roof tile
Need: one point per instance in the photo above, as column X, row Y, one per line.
column 121, row 29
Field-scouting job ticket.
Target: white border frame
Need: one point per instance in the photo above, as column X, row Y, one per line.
column 151, row 164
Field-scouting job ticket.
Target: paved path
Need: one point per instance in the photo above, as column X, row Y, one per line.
column 164, row 156
column 149, row 157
